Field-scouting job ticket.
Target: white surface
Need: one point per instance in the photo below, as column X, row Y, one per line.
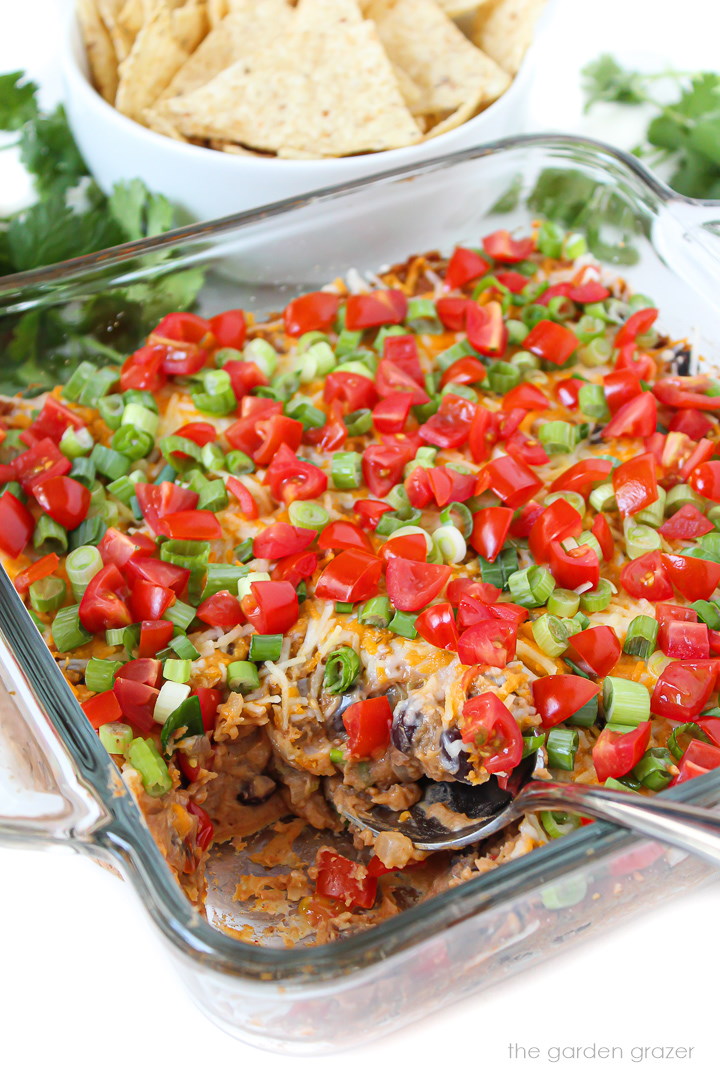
column 87, row 989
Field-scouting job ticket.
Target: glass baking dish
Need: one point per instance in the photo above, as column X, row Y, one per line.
column 58, row 785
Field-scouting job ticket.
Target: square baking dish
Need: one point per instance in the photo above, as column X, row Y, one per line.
column 58, row 784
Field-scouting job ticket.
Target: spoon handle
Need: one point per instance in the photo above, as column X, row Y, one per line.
column 692, row 828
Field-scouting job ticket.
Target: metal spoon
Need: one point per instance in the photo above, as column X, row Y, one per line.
column 489, row 809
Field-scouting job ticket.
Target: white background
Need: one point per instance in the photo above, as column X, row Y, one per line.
column 86, row 988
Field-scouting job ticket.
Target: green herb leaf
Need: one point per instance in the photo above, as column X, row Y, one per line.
column 18, row 103
column 605, row 80
column 49, row 152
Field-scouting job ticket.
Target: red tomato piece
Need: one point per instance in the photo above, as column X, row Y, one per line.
column 568, row 392
column 155, row 635
column 528, row 451
column 180, row 359
column 245, row 500
column 525, row 518
column 695, row 579
column 558, row 697
column 383, row 466
column 222, row 609
column 450, row 426
column 371, row 510
column 635, row 484
column 142, row 567
column 489, row 724
column 276, row 431
column 452, row 311
column 592, row 292
column 244, row 377
column 490, row 642
column 145, row 670
column 344, row 880
column 464, row 372
column 461, row 587
column 402, row 350
column 574, row 568
column 558, row 521
column 705, row 479
column 411, row 585
column 368, row 726
column 352, row 391
column 616, row 753
column 647, row 578
column 205, row 828
column 296, row 568
column 209, row 698
column 149, row 601
column 512, row 481
column 158, row 500
column 52, row 423
column 229, row 329
column 684, row 689
column 686, row 392
column 391, row 380
column 698, row 759
column 137, row 701
column 351, row 577
column 391, row 413
column 551, row 341
column 490, row 528
column 382, row 307
column 501, row 246
column 465, row 265
column 691, row 422
column 438, row 627
column 143, row 370
column 198, row 432
column 103, row 709
column 601, row 531
column 339, row 535
column 483, row 433
column 638, row 324
column 183, row 326
column 684, row 640
column 636, row 419
column 41, row 462
column 104, row 603
column 289, row 478
column 526, row 396
column 36, row 572
column 281, row 539
column 313, row 311
column 685, row 524
column 418, row 488
column 191, row 525
column 704, row 450
column 271, row 606
column 16, row 525
column 597, row 650
column 410, row 546
column 512, row 280
column 64, row 499
column 620, row 387
column 486, row 328
column 583, row 476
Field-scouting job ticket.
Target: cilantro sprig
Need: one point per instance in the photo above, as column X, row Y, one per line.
column 684, row 133
column 72, row 217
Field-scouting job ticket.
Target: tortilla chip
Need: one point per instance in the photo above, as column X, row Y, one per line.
column 161, row 48
column 99, row 49
column 449, row 70
column 217, row 10
column 504, row 30
column 454, row 8
column 324, row 86
column 132, row 15
column 110, row 14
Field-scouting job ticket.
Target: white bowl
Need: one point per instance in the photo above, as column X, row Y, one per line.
column 209, row 183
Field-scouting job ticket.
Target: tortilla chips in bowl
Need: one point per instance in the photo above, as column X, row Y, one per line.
column 227, row 104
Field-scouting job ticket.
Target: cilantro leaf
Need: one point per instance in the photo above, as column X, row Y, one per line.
column 605, row 80
column 48, row 151
column 18, row 102
column 138, row 211
column 50, row 231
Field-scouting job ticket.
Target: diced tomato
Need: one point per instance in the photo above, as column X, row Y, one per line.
column 52, row 422
column 647, row 578
column 686, row 392
column 411, row 585
column 449, row 427
column 332, row 435
column 371, row 510
column 340, row 534
column 103, row 709
column 558, row 697
column 437, row 626
column 489, row 724
column 222, row 609
column 16, row 525
column 275, row 431
column 205, row 828
column 568, row 392
column 635, row 484
column 145, row 669
column 685, row 524
column 244, row 377
column 210, row 698
column 158, row 500
column 245, row 500
column 391, row 413
column 684, row 640
column 698, row 759
column 383, row 466
column 452, row 311
column 597, row 650
column 512, row 280
column 551, row 342
column 282, row 539
column 528, row 451
column 525, row 518
column 620, row 387
column 289, row 478
column 616, row 753
column 702, row 452
column 691, row 422
column 583, row 476
column 574, row 568
column 180, row 358
column 351, row 577
column 191, row 525
column 229, row 329
column 636, row 418
column 137, row 701
column 143, row 370
column 486, row 328
column 483, row 433
column 512, row 481
column 417, row 486
column 402, row 350
column 183, row 326
column 41, row 462
column 271, row 606
column 483, row 590
column 490, row 642
column 447, row 485
column 368, row 726
column 345, row 880
column 36, row 572
column 705, row 479
column 149, row 601
column 601, row 531
column 465, row 265
column 104, row 603
column 666, row 613
column 392, row 380
column 684, row 689
column 64, row 499
column 408, row 546
column 526, row 396
column 695, row 579
column 382, row 307
column 490, row 529
column 592, row 292
column 351, row 390
column 313, row 311
column 155, row 635
column 501, row 246
column 558, row 521
column 142, row 567
column 296, row 568
column 464, row 372
column 638, row 324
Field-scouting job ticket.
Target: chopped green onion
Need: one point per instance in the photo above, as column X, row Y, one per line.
column 343, row 608
column 346, row 470
column 76, row 442
column 499, row 572
column 100, row 674
column 48, row 594
column 563, row 603
column 550, row 634
column 139, row 416
column 336, row 755
column 654, row 513
column 597, row 599
column 708, row 613
column 592, row 401
column 180, row 614
column 403, row 624
column 640, row 539
column 307, row 413
column 184, row 648
column 682, row 495
column 693, row 731
column 50, row 536
column 144, row 756
column 531, row 587
column 390, row 524
column 128, row 637
column 97, row 385
column 457, row 514
column 574, row 498
column 641, row 636
column 652, row 770
column 450, row 543
column 305, row 514
column 171, row 696
column 192, row 554
column 242, row 676
column 213, row 496
column 562, row 745
column 244, row 551
column 88, row 533
column 342, row 668
column 550, row 239
column 589, row 539
column 67, row 632
column 517, row 332
column 223, row 577
column 376, row 612
column 122, row 489
column 82, row 565
column 532, row 743
column 178, row 671
column 503, row 376
column 557, row 824
column 358, row 422
column 265, row 647
column 618, row 785
column 238, row 463
column 76, row 383
column 349, row 340
column 586, row 716
column 603, row 498
column 260, row 352
column 625, row 703
column 558, row 437
column 110, row 462
column 116, row 737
